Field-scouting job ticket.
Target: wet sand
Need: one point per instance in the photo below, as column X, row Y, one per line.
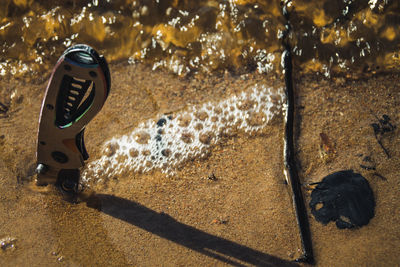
column 229, row 207
column 345, row 111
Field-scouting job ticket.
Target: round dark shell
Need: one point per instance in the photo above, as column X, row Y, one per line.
column 344, row 197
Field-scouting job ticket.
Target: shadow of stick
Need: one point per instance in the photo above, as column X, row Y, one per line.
column 166, row 227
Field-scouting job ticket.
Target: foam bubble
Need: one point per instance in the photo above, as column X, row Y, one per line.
column 165, row 143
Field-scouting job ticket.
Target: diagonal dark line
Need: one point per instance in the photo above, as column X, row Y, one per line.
column 167, row 227
column 289, row 151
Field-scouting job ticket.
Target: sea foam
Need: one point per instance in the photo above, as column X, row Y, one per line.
column 172, row 139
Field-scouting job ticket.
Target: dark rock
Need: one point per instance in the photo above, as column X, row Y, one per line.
column 161, row 122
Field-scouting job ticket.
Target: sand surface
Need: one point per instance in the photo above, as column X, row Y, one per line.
column 229, row 206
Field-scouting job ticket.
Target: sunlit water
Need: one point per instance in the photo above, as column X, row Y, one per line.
column 340, row 36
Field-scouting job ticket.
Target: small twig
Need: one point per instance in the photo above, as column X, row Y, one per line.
column 380, row 176
column 384, row 149
column 383, row 126
column 367, row 168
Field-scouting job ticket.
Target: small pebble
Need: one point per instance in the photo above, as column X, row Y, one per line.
column 161, row 122
column 8, row 243
column 54, row 253
column 212, row 177
column 166, row 152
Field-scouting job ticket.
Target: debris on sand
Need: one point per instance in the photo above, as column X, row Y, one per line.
column 344, row 197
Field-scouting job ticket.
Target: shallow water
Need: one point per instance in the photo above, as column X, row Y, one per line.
column 186, row 155
column 328, row 37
